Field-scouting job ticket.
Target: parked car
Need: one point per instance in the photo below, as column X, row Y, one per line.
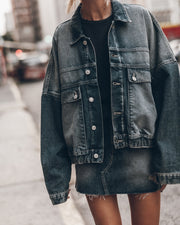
column 175, row 45
column 31, row 65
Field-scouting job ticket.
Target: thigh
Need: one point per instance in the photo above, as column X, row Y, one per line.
column 104, row 209
column 145, row 208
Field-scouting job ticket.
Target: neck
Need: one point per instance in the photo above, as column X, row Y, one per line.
column 95, row 9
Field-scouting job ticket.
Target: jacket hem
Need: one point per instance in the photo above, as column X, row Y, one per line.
column 141, row 142
column 59, row 197
column 93, row 156
column 168, row 178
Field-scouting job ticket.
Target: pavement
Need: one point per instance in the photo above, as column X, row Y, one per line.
column 23, row 195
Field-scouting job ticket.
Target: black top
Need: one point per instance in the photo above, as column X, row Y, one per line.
column 98, row 32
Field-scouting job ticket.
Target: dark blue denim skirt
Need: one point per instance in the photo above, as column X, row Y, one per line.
column 123, row 171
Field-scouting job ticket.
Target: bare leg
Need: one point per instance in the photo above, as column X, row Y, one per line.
column 145, row 208
column 105, row 210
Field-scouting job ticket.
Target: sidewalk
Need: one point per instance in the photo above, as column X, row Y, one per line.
column 23, row 196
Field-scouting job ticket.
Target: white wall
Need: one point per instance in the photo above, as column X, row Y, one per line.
column 52, row 12
column 172, row 5
column 47, row 18
column 160, row 5
column 140, row 2
column 175, row 9
column 157, row 5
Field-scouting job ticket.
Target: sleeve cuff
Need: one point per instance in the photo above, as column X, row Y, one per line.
column 59, row 197
column 168, row 178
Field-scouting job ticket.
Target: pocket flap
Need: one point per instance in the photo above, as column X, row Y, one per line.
column 139, row 75
column 70, row 95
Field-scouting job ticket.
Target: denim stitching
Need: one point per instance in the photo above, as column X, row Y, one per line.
column 103, row 175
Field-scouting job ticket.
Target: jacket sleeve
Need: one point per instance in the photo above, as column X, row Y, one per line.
column 55, row 161
column 166, row 92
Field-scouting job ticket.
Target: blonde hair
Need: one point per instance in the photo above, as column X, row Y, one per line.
column 72, row 4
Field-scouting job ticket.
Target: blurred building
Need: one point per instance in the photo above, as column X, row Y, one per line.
column 27, row 23
column 52, row 12
column 9, row 20
column 10, row 25
column 166, row 11
column 3, row 73
column 140, row 2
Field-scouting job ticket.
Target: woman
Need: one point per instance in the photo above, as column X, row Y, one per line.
column 110, row 105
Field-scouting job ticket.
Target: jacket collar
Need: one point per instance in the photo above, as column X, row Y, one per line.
column 119, row 14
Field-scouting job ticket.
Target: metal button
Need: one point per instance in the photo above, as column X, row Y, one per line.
column 96, row 155
column 87, row 72
column 91, row 99
column 84, row 42
column 75, row 95
column 93, row 127
column 134, row 77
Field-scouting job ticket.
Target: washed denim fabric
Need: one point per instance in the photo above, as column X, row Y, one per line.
column 145, row 98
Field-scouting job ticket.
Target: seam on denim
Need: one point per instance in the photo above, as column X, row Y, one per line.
column 57, row 96
column 73, row 68
column 142, row 146
column 165, row 62
column 134, row 137
column 104, row 183
column 46, row 82
column 162, row 36
column 103, row 179
column 77, row 39
column 131, row 66
column 65, row 87
column 83, row 117
column 136, row 49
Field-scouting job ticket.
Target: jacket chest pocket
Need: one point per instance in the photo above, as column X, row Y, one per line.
column 138, row 56
column 73, row 120
column 142, row 110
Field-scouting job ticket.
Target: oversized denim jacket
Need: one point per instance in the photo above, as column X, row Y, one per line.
column 145, row 98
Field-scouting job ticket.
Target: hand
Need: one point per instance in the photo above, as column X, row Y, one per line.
column 163, row 186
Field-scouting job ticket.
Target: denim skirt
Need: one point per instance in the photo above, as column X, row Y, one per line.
column 123, row 171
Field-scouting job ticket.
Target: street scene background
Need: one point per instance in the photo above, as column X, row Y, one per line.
column 26, row 29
